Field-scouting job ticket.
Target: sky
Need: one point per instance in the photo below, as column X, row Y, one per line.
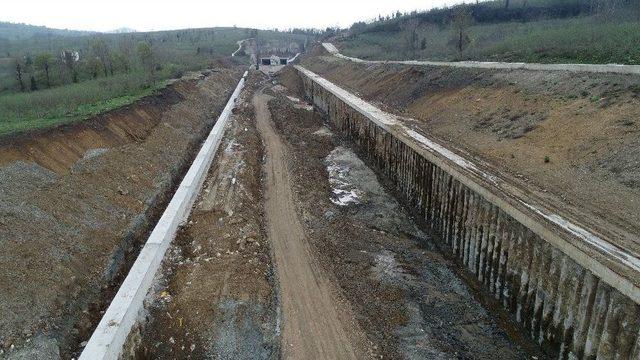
column 147, row 15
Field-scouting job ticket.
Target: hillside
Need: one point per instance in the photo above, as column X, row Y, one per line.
column 545, row 31
column 14, row 32
column 68, row 75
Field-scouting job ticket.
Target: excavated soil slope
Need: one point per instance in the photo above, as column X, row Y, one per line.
column 74, row 202
column 570, row 137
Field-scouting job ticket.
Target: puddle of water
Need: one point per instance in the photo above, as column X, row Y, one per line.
column 323, row 131
column 299, row 104
column 343, row 191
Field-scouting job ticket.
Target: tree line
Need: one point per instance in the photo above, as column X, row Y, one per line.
column 100, row 58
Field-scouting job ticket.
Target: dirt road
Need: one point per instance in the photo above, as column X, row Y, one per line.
column 314, row 324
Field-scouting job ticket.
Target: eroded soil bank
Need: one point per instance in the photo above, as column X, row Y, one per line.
column 563, row 136
column 77, row 201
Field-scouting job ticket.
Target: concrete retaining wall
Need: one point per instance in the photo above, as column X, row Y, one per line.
column 110, row 336
column 555, row 277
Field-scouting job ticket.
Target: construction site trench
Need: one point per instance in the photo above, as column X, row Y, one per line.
column 330, row 225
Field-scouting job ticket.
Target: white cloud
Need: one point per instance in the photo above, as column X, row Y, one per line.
column 176, row 14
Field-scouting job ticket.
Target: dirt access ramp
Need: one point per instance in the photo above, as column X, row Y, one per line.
column 74, row 206
column 563, row 136
column 314, row 325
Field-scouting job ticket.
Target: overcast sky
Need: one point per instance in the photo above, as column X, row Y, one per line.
column 144, row 15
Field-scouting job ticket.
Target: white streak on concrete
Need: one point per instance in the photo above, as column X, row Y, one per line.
column 109, row 337
column 597, row 242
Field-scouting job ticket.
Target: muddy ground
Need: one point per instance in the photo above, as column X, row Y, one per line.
column 285, row 197
column 570, row 137
column 76, row 202
column 405, row 295
column 215, row 296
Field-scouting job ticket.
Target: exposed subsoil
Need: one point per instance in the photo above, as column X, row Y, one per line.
column 76, row 202
column 407, row 298
column 215, row 297
column 572, row 138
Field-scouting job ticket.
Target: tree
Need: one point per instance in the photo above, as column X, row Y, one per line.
column 461, row 22
column 410, row 28
column 34, row 85
column 19, row 75
column 43, row 63
column 93, row 66
column 100, row 49
column 146, row 58
column 69, row 58
column 120, row 61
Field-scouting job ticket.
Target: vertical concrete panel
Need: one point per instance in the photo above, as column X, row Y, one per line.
column 598, row 321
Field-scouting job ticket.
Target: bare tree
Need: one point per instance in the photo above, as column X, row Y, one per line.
column 43, row 63
column 100, row 49
column 146, row 58
column 410, row 28
column 69, row 59
column 604, row 10
column 461, row 23
column 19, row 75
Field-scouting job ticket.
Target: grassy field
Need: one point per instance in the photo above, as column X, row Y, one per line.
column 581, row 39
column 67, row 104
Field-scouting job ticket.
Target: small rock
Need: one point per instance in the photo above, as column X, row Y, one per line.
column 329, row 215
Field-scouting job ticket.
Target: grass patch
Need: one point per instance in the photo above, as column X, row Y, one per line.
column 68, row 104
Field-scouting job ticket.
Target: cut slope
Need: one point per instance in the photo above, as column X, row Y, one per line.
column 571, row 137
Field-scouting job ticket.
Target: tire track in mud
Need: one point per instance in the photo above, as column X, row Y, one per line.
column 313, row 327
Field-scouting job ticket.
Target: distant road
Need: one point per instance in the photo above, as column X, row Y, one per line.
column 591, row 68
column 239, row 46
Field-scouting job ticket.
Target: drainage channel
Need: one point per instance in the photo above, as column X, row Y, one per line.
column 110, row 337
column 569, row 287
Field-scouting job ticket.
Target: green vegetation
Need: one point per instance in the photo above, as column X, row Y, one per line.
column 71, row 103
column 546, row 31
column 51, row 77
